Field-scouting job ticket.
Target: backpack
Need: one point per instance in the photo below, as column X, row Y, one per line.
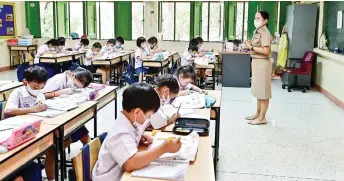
column 129, row 75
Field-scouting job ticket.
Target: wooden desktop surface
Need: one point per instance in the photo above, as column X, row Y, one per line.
column 202, row 169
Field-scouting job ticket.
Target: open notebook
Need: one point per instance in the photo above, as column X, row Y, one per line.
column 49, row 113
column 194, row 100
column 171, row 166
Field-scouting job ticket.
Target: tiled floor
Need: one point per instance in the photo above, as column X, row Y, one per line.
column 303, row 140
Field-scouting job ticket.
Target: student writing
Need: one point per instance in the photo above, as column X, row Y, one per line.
column 153, row 45
column 119, row 43
column 167, row 88
column 185, row 75
column 119, row 152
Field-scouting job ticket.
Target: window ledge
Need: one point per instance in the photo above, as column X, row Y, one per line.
column 328, row 54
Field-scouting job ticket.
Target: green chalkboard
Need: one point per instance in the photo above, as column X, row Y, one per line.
column 335, row 36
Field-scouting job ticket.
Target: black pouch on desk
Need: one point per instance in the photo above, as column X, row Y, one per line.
column 185, row 126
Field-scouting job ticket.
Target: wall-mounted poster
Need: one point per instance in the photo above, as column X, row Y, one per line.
column 7, row 20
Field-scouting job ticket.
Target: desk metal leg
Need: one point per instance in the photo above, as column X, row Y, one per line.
column 217, row 137
column 62, row 153
column 213, row 74
column 95, row 121
column 110, row 81
column 56, row 153
column 116, row 107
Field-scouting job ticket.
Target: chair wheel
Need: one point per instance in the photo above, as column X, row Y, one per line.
column 289, row 90
column 303, row 90
column 283, row 86
column 308, row 88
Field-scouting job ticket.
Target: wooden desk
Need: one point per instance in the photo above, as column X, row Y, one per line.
column 215, row 113
column 209, row 66
column 161, row 64
column 6, row 87
column 55, row 58
column 105, row 96
column 113, row 63
column 19, row 49
column 199, row 170
column 16, row 158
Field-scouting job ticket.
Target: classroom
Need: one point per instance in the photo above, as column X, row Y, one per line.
column 171, row 90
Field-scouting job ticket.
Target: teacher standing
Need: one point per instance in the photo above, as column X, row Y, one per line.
column 260, row 47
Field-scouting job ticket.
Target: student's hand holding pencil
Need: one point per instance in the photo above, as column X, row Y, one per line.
column 40, row 107
column 172, row 145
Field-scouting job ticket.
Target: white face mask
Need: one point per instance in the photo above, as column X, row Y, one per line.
column 257, row 23
column 70, row 83
column 33, row 92
column 144, row 46
column 52, row 49
column 165, row 100
column 141, row 127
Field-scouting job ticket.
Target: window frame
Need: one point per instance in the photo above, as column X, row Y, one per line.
column 143, row 17
column 208, row 22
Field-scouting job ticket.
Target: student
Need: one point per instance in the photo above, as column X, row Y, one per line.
column 109, row 47
column 142, row 51
column 201, row 53
column 82, row 44
column 185, row 75
column 189, row 55
column 119, row 152
column 90, row 54
column 24, row 100
column 65, row 83
column 200, row 44
column 49, row 46
column 119, row 43
column 167, row 88
column 153, row 45
column 62, row 43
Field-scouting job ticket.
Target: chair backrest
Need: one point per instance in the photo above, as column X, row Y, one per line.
column 85, row 160
column 307, row 60
column 28, row 57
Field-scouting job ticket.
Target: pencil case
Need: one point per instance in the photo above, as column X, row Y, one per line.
column 184, row 126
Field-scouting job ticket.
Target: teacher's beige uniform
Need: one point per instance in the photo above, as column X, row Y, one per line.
column 261, row 65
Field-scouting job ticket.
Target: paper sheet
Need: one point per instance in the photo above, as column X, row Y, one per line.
column 192, row 101
column 49, row 113
column 163, row 170
column 182, row 112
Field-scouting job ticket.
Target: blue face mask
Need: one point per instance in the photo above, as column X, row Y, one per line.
column 118, row 46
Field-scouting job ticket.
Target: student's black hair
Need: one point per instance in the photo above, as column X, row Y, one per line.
column 36, row 74
column 265, row 15
column 112, row 41
column 120, row 39
column 97, row 45
column 193, row 42
column 193, row 48
column 83, row 75
column 62, row 41
column 169, row 81
column 188, row 71
column 53, row 42
column 140, row 40
column 140, row 95
column 85, row 42
column 199, row 40
column 152, row 40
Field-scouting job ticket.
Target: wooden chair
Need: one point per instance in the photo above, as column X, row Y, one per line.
column 85, row 160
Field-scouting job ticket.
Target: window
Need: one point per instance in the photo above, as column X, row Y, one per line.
column 182, row 18
column 107, row 20
column 47, row 19
column 137, row 19
column 168, row 20
column 205, row 20
column 76, row 17
column 241, row 20
column 214, row 22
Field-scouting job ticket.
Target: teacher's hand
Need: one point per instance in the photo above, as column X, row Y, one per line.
column 248, row 44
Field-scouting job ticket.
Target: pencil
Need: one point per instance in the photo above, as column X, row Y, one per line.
column 179, row 108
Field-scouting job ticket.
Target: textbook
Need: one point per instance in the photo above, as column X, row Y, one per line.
column 171, row 166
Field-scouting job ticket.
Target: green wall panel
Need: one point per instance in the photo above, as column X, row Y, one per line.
column 123, row 19
column 32, row 15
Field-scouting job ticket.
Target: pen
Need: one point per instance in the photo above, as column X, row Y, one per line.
column 179, row 108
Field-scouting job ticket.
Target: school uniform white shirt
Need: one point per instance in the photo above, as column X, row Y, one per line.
column 158, row 119
column 119, row 145
column 61, row 49
column 88, row 62
column 20, row 98
column 55, row 83
column 42, row 49
column 140, row 52
column 77, row 46
column 107, row 49
column 186, row 56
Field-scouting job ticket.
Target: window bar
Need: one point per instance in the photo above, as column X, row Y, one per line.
column 243, row 22
column 174, row 22
column 220, row 23
column 99, row 22
column 208, row 21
